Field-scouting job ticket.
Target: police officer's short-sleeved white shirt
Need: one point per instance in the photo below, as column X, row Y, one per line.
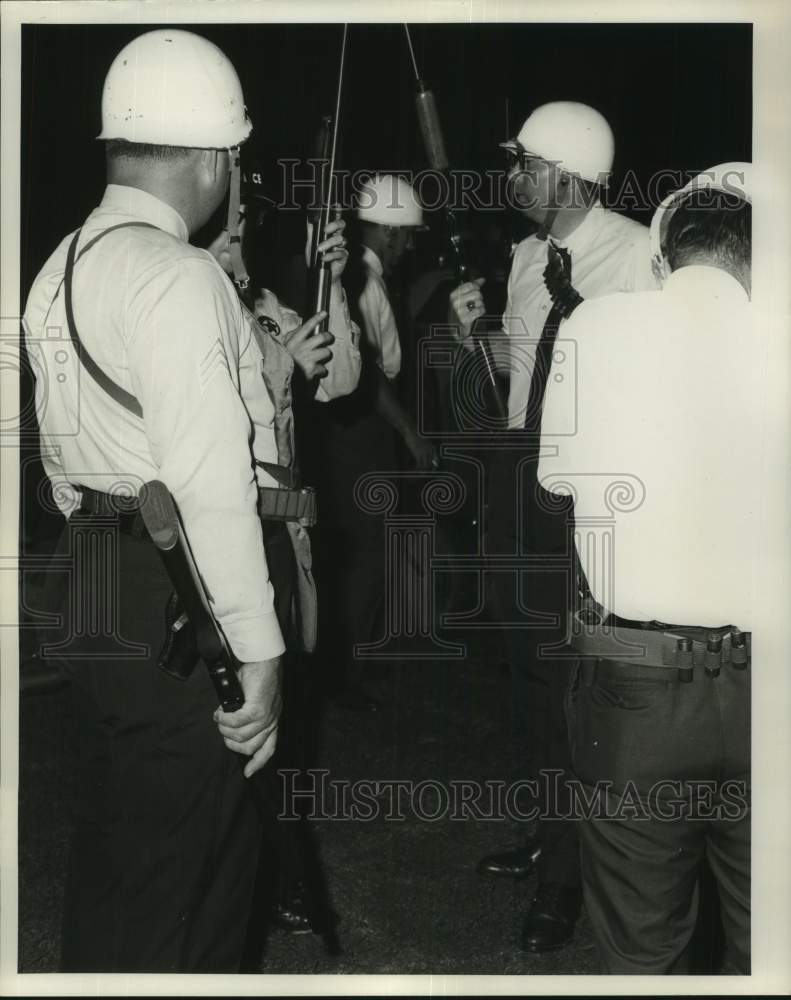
column 163, row 321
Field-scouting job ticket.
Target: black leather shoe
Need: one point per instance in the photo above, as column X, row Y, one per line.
column 519, row 862
column 291, row 914
column 550, row 921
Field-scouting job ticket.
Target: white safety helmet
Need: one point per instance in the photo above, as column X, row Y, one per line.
column 174, row 88
column 574, row 136
column 390, row 201
column 734, row 178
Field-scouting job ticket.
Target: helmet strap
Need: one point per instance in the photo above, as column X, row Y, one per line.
column 549, row 221
column 551, row 214
column 240, row 275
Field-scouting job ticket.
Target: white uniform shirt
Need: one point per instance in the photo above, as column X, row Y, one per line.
column 669, row 401
column 379, row 325
column 163, row 321
column 609, row 253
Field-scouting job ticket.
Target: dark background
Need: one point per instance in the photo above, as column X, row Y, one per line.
column 677, row 97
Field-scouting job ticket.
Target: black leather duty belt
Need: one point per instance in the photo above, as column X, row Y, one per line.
column 274, row 504
column 287, row 505
column 124, row 508
column 290, row 500
column 664, row 647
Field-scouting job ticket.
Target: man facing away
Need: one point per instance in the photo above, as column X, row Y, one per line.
column 665, row 468
column 159, row 375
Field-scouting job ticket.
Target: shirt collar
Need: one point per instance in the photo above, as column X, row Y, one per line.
column 145, row 207
column 700, row 279
column 370, row 259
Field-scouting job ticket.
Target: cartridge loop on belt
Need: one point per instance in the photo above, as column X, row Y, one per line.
column 670, row 646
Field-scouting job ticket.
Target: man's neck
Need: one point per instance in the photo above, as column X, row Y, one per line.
column 173, row 194
column 567, row 221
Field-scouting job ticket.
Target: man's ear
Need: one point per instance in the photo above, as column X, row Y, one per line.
column 214, row 163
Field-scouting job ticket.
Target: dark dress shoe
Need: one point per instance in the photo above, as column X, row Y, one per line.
column 290, row 914
column 519, row 862
column 550, row 920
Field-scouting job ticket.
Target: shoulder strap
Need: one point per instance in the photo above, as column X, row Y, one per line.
column 121, row 396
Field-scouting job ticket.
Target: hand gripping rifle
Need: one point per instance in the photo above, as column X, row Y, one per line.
column 434, row 142
column 319, row 276
column 164, row 526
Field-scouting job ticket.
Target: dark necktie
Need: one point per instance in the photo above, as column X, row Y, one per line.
column 565, row 299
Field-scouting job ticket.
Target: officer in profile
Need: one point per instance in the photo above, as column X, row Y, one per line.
column 669, row 394
column 363, row 430
column 159, row 377
column 559, row 165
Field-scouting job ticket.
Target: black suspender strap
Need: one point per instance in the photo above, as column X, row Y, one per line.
column 121, row 396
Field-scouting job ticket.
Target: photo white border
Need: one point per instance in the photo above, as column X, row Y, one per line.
column 771, row 956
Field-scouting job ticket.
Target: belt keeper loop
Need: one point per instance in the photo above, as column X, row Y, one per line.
column 684, row 660
column 738, row 650
column 713, row 655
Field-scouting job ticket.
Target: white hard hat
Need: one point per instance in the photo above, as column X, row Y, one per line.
column 174, row 88
column 390, row 201
column 734, row 178
column 574, row 136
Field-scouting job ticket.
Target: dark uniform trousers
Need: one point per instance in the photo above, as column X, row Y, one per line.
column 356, row 441
column 641, row 728
column 167, row 829
column 284, row 839
column 166, row 835
column 540, row 663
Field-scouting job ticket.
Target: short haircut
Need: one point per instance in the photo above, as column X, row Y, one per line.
column 118, row 149
column 710, row 226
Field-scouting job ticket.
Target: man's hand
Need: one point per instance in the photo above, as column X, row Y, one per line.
column 423, row 451
column 467, row 305
column 252, row 730
column 333, row 249
column 308, row 349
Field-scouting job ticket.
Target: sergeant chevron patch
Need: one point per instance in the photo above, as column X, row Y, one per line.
column 214, row 362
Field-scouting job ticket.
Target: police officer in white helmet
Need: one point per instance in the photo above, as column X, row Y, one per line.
column 363, row 428
column 389, row 214
column 167, row 384
column 559, row 165
column 671, row 396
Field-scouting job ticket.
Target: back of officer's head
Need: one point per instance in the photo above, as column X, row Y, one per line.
column 193, row 181
column 712, row 228
column 172, row 109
